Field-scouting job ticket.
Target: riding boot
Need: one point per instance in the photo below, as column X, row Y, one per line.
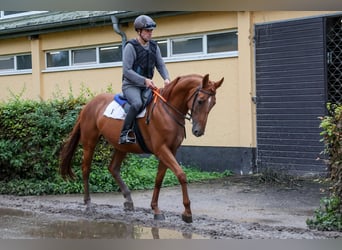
column 127, row 135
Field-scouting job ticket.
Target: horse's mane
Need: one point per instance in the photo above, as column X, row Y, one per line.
column 167, row 90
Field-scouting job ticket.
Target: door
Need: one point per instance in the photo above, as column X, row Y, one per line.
column 290, row 95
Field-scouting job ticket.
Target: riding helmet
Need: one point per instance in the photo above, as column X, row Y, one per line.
column 144, row 22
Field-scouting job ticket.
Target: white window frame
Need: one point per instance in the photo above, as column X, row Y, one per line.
column 26, row 13
column 204, row 55
column 81, row 66
column 184, row 38
column 15, row 70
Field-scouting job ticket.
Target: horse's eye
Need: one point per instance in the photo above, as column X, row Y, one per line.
column 200, row 102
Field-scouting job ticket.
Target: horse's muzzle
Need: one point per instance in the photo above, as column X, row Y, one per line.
column 197, row 130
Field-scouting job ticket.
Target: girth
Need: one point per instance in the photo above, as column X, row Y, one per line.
column 140, row 138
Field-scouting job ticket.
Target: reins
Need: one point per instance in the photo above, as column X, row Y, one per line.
column 187, row 116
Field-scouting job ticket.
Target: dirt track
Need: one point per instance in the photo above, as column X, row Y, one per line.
column 235, row 207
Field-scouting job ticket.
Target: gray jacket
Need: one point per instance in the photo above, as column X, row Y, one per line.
column 132, row 78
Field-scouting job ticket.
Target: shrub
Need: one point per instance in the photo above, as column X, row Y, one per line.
column 328, row 216
column 32, row 133
column 332, row 137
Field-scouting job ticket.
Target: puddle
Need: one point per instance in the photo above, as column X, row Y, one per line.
column 18, row 224
column 266, row 221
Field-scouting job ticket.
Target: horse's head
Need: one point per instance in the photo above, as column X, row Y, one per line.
column 201, row 102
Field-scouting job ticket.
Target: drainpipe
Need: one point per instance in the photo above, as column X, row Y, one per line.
column 117, row 29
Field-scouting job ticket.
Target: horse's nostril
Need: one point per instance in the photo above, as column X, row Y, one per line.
column 197, row 133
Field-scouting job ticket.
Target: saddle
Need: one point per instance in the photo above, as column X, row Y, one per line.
column 146, row 97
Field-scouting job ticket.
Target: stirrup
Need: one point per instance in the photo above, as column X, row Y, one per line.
column 127, row 136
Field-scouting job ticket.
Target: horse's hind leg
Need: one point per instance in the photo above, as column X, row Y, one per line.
column 158, row 183
column 114, row 169
column 88, row 152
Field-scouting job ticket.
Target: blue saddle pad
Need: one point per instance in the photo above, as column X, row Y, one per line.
column 119, row 98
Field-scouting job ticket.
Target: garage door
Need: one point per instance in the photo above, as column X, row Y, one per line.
column 290, row 95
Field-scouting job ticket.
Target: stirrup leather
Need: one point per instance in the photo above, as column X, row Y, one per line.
column 127, row 136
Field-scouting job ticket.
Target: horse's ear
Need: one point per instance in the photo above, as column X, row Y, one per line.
column 205, row 81
column 219, row 83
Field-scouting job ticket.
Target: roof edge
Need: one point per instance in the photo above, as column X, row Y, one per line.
column 77, row 23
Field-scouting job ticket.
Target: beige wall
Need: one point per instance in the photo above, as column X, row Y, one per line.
column 15, row 84
column 232, row 121
column 269, row 16
column 14, row 45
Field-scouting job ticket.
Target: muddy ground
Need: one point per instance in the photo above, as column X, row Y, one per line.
column 239, row 207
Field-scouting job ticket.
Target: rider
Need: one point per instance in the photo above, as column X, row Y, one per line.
column 140, row 56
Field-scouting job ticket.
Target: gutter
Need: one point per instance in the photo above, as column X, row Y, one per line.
column 116, row 27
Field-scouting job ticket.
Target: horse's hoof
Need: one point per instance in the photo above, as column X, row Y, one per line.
column 90, row 209
column 159, row 217
column 187, row 218
column 128, row 206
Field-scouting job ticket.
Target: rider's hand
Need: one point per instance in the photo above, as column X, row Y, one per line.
column 149, row 84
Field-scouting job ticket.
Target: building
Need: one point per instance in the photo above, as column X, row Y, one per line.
column 274, row 64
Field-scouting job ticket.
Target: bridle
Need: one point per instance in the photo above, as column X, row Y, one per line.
column 198, row 90
column 167, row 106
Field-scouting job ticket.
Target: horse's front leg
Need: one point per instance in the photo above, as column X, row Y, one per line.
column 158, row 215
column 114, row 169
column 169, row 160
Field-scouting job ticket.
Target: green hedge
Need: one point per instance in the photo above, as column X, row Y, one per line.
column 31, row 136
column 329, row 215
column 332, row 137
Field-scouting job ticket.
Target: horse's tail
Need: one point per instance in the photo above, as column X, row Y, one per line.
column 68, row 151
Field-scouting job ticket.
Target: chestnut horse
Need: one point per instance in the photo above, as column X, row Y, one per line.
column 163, row 134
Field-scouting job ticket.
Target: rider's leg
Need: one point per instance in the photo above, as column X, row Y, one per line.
column 133, row 96
column 125, row 136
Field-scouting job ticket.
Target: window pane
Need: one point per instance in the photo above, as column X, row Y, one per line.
column 111, row 54
column 190, row 45
column 24, row 62
column 163, row 47
column 7, row 13
column 84, row 56
column 7, row 62
column 222, row 42
column 57, row 59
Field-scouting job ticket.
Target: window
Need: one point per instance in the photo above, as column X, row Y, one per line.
column 163, row 47
column 110, row 54
column 222, row 42
column 10, row 14
column 187, row 45
column 197, row 47
column 84, row 57
column 211, row 45
column 57, row 58
column 24, row 62
column 15, row 63
column 7, row 63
